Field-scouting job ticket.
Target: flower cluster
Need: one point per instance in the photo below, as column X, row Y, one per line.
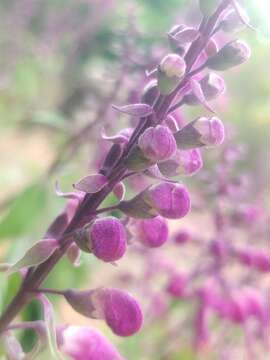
column 159, row 147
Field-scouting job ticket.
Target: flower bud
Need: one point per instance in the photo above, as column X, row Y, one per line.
column 183, row 162
column 150, row 92
column 157, row 143
column 211, row 130
column 152, row 232
column 212, row 86
column 258, row 259
column 119, row 309
column 82, row 343
column 201, row 132
column 169, row 199
column 107, row 238
column 137, row 161
column 232, row 54
column 182, row 237
column 177, row 285
column 170, row 72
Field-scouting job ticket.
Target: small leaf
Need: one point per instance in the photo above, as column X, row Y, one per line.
column 91, row 184
column 186, row 35
column 119, row 191
column 36, row 255
column 139, row 110
column 242, row 16
column 197, row 91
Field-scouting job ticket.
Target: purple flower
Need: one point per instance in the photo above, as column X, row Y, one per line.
column 157, row 143
column 177, row 285
column 84, row 343
column 169, row 199
column 152, row 232
column 108, row 239
column 120, row 310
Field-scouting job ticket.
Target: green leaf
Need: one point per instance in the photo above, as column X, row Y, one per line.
column 36, row 255
column 23, row 212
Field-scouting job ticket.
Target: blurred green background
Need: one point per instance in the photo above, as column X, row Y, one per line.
column 59, row 58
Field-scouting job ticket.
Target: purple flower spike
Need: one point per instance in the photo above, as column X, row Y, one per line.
column 121, row 311
column 170, row 200
column 108, row 239
column 152, row 232
column 157, row 143
column 211, row 130
column 84, row 343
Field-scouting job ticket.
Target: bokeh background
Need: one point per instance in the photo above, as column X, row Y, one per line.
column 62, row 64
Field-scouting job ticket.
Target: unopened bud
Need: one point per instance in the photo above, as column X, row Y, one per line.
column 211, row 130
column 183, row 162
column 170, row 72
column 107, row 239
column 200, row 132
column 176, row 286
column 232, row 54
column 169, row 199
column 157, row 143
column 119, row 309
column 152, row 232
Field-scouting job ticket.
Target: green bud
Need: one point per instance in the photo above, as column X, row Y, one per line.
column 170, row 72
